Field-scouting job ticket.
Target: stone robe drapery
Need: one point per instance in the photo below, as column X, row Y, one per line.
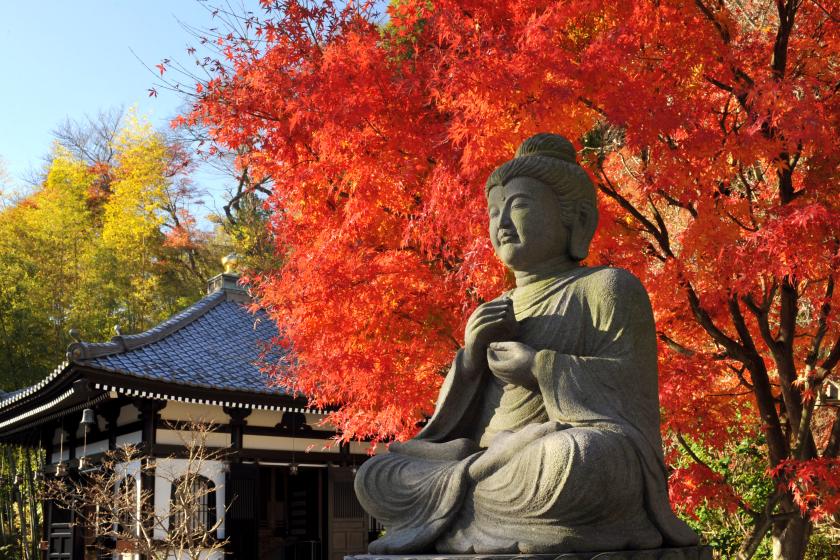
column 578, row 463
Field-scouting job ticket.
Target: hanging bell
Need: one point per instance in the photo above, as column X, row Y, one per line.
column 88, row 418
column 61, row 469
column 293, row 469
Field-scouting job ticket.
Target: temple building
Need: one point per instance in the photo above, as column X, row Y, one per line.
column 283, row 488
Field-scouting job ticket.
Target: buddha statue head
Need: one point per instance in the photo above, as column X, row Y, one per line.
column 541, row 205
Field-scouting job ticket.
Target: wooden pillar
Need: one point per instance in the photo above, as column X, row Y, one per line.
column 149, row 418
column 72, row 428
column 47, row 436
column 237, row 429
column 110, row 411
column 344, row 453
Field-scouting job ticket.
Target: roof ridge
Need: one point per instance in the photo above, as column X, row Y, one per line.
column 83, row 351
column 17, row 395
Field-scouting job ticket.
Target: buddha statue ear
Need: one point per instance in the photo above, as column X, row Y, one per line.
column 584, row 222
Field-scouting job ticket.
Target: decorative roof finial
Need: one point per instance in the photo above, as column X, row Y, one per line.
column 228, row 281
column 117, row 330
column 74, row 334
column 230, row 263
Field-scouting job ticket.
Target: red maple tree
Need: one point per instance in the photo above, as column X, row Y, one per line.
column 710, row 128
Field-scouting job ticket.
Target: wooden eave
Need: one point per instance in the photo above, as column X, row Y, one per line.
column 77, row 386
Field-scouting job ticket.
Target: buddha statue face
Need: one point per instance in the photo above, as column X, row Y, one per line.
column 542, row 207
column 527, row 227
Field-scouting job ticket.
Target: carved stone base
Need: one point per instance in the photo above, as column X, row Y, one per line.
column 686, row 553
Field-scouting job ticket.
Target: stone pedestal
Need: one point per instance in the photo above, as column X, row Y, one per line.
column 686, row 553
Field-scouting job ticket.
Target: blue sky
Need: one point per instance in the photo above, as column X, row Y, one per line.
column 71, row 58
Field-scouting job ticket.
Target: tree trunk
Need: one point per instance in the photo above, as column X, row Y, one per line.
column 790, row 538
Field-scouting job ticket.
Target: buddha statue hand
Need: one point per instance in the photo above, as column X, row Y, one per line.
column 493, row 321
column 513, row 363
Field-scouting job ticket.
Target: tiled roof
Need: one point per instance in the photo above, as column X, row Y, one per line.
column 217, row 343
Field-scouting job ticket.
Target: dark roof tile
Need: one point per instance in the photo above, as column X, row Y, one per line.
column 217, row 343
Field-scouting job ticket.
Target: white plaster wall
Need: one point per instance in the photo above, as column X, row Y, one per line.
column 169, row 470
column 193, row 412
column 92, row 448
column 317, row 422
column 58, row 456
column 360, row 447
column 134, row 438
column 128, row 414
column 131, row 469
column 183, row 437
column 285, row 443
column 264, row 418
column 61, row 450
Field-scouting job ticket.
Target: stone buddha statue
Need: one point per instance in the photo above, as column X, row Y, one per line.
column 546, row 436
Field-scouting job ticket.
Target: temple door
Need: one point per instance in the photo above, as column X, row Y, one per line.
column 60, row 533
column 241, row 519
column 348, row 522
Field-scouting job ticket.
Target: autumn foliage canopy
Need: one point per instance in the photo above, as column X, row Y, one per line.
column 710, row 128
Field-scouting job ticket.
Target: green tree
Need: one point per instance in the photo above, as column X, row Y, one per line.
column 107, row 238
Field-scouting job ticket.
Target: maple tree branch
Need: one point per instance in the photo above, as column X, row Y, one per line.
column 729, row 395
column 804, row 445
column 785, row 164
column 748, row 187
column 762, row 525
column 787, row 12
column 832, row 447
column 725, row 36
column 781, row 347
column 675, row 346
column 662, row 228
column 761, row 381
column 718, row 84
column 741, row 378
column 732, row 347
column 822, row 325
column 742, row 225
column 687, row 448
column 741, row 327
column 591, row 104
column 244, row 186
column 627, row 167
column 607, row 187
column 674, row 202
column 831, row 16
column 789, row 394
column 833, row 357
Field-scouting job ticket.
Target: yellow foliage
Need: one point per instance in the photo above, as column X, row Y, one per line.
column 86, row 251
column 132, row 213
